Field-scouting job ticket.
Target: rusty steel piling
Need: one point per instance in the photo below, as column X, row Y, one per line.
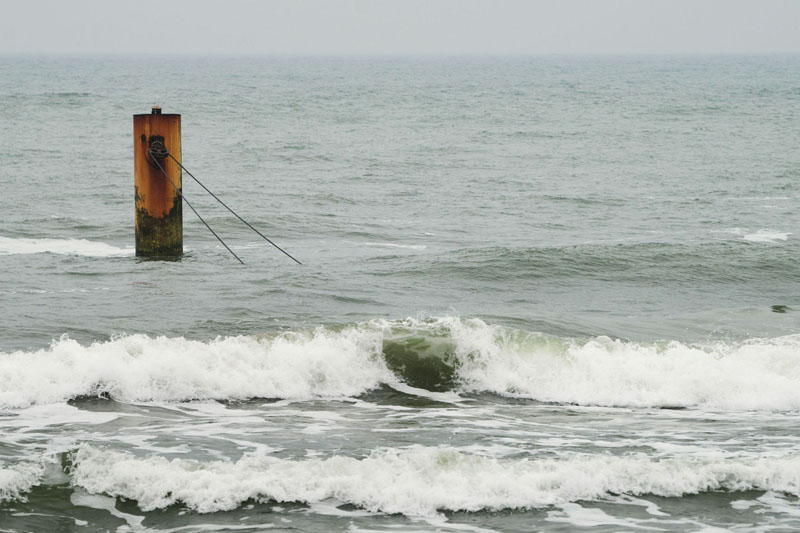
column 159, row 207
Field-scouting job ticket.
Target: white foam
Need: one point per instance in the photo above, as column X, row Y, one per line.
column 650, row 507
column 321, row 363
column 20, row 429
column 761, row 374
column 445, row 397
column 390, row 245
column 17, row 479
column 743, row 505
column 576, row 515
column 767, row 236
column 419, row 481
column 41, row 416
column 757, row 375
column 104, row 503
column 61, row 246
column 775, row 503
column 393, row 245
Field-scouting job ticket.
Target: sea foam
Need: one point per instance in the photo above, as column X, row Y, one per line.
column 760, row 374
column 470, row 355
column 60, row 246
column 767, row 235
column 321, row 363
column 17, row 479
column 418, row 481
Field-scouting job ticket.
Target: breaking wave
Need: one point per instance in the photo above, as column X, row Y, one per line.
column 17, row 479
column 418, row 481
column 444, row 354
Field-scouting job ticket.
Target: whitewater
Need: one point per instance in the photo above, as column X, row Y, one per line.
column 491, row 453
column 461, row 356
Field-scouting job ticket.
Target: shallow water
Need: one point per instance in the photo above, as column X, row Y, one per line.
column 550, row 293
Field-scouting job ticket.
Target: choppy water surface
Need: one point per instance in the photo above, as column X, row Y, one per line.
column 547, row 294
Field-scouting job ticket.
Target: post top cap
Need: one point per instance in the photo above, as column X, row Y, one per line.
column 157, row 111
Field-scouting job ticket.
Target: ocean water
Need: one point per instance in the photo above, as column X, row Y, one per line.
column 537, row 294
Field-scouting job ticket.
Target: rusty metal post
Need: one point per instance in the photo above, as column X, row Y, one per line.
column 159, row 208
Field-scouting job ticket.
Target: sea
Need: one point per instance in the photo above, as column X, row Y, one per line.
column 537, row 293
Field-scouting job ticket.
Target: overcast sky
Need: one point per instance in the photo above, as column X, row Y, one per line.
column 399, row 26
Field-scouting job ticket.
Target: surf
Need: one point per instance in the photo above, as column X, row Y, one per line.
column 462, row 356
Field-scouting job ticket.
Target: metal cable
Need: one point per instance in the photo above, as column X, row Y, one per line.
column 180, row 193
column 234, row 212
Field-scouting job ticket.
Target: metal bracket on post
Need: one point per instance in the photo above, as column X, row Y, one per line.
column 156, row 147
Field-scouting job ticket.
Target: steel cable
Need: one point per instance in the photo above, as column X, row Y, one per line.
column 180, row 193
column 234, row 212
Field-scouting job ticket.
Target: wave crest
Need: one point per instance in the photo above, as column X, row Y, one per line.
column 417, row 481
column 17, row 479
column 321, row 363
column 442, row 354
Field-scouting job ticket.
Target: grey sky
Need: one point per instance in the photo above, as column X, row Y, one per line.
column 400, row 26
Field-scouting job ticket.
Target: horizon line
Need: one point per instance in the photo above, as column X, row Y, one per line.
column 396, row 54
